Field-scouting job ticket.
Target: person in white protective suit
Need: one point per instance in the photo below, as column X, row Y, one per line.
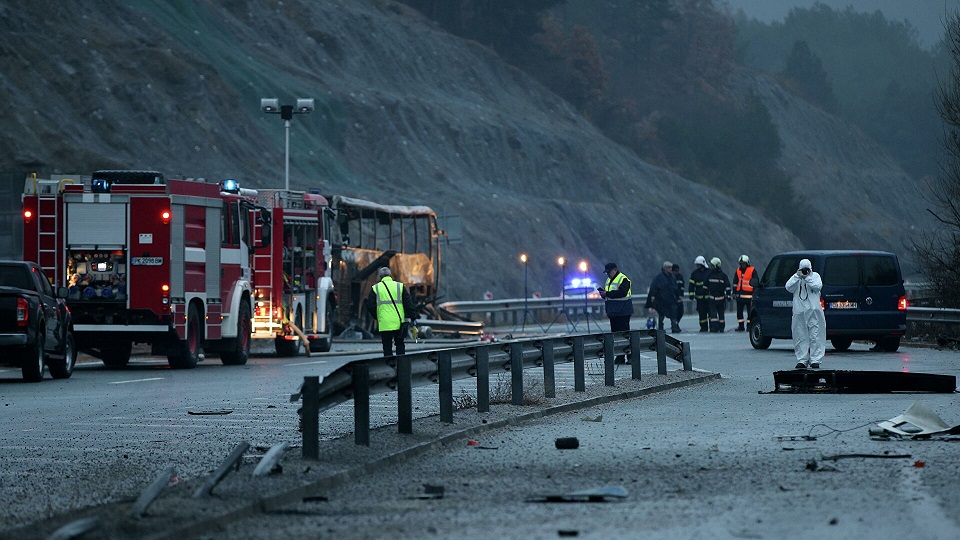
column 809, row 325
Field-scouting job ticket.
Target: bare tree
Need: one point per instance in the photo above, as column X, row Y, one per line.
column 940, row 252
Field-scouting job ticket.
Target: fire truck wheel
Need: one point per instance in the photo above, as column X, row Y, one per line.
column 325, row 339
column 63, row 368
column 117, row 355
column 286, row 347
column 32, row 368
column 241, row 348
column 188, row 353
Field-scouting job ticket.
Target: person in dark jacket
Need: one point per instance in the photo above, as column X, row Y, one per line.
column 662, row 296
column 718, row 292
column 698, row 291
column 617, row 292
column 681, row 282
column 390, row 304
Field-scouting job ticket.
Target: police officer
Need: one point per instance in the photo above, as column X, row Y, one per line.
column 718, row 292
column 390, row 303
column 745, row 281
column 617, row 291
column 697, row 289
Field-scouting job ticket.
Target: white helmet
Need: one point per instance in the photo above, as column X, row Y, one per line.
column 700, row 260
column 715, row 261
column 744, row 259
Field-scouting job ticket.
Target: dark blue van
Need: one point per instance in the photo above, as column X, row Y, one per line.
column 863, row 298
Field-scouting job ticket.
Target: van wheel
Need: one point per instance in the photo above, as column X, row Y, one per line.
column 188, row 351
column 32, row 368
column 63, row 369
column 757, row 339
column 841, row 343
column 889, row 344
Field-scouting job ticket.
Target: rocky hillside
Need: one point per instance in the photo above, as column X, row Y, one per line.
column 406, row 114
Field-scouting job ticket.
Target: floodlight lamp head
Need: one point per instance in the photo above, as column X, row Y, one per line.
column 305, row 105
column 270, row 105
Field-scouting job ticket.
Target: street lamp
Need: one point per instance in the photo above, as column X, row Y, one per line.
column 526, row 308
column 286, row 112
column 586, row 314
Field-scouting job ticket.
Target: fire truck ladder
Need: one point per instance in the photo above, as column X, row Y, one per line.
column 48, row 224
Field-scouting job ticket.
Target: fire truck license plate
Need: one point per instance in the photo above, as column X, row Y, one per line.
column 146, row 261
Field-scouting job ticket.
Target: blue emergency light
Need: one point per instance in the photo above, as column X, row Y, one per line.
column 230, row 186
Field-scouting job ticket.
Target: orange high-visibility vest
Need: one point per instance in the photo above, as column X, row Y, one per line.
column 743, row 280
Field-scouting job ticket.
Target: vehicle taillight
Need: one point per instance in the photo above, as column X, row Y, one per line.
column 165, row 217
column 27, row 216
column 822, row 305
column 23, row 313
column 166, row 293
column 902, row 303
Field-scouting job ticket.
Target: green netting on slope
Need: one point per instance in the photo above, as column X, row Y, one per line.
column 253, row 75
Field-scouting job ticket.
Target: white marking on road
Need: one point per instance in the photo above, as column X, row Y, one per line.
column 308, row 363
column 137, row 380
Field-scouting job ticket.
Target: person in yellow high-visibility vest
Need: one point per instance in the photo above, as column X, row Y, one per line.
column 390, row 304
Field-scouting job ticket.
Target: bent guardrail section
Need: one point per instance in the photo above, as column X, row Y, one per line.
column 359, row 379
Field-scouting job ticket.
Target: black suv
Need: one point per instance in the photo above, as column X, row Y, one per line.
column 862, row 298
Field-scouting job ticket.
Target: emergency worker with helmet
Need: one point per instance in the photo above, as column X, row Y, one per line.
column 718, row 292
column 697, row 289
column 390, row 304
column 745, row 281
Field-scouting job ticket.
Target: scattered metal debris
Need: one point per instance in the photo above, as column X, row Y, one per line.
column 152, row 491
column 75, row 529
column 567, row 443
column 271, row 460
column 315, row 498
column 431, row 492
column 211, row 413
column 867, row 456
column 231, row 462
column 917, row 422
column 602, row 494
column 593, row 418
column 859, row 382
column 813, row 466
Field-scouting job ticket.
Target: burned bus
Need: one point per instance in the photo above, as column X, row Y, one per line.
column 367, row 236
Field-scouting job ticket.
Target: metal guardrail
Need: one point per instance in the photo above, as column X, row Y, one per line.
column 361, row 378
column 933, row 315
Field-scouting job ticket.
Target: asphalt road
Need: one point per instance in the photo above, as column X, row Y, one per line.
column 696, row 462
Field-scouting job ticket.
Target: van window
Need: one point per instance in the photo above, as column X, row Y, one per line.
column 879, row 271
column 841, row 271
column 780, row 270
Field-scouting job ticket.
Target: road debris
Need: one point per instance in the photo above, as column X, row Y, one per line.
column 593, row 418
column 567, row 443
column 917, row 422
column 431, row 492
column 210, row 413
column 601, row 494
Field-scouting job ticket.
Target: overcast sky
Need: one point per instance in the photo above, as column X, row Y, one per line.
column 926, row 16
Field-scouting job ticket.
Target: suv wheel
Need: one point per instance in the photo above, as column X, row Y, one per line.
column 757, row 338
column 841, row 343
column 63, row 369
column 889, row 344
column 32, row 369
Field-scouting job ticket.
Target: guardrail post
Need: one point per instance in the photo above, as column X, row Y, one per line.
column 661, row 351
column 549, row 374
column 404, row 394
column 579, row 369
column 608, row 360
column 635, row 354
column 445, row 373
column 310, row 417
column 516, row 373
column 360, row 377
column 483, row 379
column 687, row 361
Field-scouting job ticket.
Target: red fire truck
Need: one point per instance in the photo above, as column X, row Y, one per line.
column 149, row 260
column 294, row 293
